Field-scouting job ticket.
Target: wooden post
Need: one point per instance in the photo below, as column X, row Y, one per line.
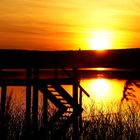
column 75, row 97
column 2, row 114
column 2, row 110
column 45, row 116
column 80, row 103
column 35, row 101
column 28, row 101
column 3, row 102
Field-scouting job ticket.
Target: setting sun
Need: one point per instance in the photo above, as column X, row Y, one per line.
column 100, row 40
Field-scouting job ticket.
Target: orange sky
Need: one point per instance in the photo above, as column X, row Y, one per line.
column 67, row 24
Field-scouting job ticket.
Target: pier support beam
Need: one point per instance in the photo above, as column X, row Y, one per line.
column 3, row 102
column 35, row 101
column 75, row 97
column 28, row 102
column 45, row 116
column 80, row 117
column 2, row 113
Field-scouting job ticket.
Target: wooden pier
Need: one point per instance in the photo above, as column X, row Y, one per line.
column 69, row 113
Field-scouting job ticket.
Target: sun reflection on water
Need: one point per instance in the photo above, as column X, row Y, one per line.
column 103, row 92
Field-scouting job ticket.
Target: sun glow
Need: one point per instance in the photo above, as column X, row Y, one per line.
column 103, row 93
column 100, row 69
column 101, row 88
column 100, row 40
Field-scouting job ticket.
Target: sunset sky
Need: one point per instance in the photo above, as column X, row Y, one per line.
column 69, row 24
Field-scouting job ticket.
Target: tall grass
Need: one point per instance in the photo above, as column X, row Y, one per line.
column 14, row 119
column 123, row 124
column 14, row 125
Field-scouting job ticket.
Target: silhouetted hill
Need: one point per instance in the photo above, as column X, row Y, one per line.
column 127, row 60
column 123, row 58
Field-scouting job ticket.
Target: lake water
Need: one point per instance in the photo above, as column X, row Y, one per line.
column 105, row 97
column 105, row 94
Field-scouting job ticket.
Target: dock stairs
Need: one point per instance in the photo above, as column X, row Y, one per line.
column 69, row 109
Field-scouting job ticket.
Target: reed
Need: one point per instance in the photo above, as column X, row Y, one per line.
column 121, row 125
column 124, row 124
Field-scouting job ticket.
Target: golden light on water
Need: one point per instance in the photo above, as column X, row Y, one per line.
column 101, row 40
column 100, row 69
column 103, row 92
column 101, row 88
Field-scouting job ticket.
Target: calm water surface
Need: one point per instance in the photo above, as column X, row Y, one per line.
column 104, row 93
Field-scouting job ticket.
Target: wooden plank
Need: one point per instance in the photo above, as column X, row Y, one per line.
column 24, row 82
column 51, row 97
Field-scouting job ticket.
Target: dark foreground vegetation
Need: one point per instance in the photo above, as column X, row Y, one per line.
column 114, row 126
column 121, row 125
column 124, row 124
